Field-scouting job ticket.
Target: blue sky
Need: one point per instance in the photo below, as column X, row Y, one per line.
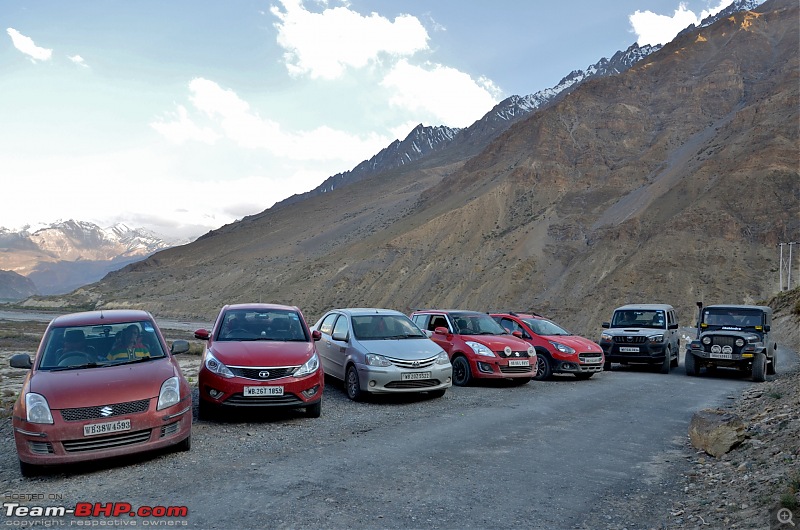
column 184, row 115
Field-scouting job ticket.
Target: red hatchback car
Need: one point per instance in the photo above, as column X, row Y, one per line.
column 478, row 346
column 260, row 355
column 90, row 394
column 557, row 350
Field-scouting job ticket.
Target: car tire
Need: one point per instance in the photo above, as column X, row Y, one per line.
column 607, row 366
column 667, row 364
column 543, row 368
column 352, row 385
column 676, row 360
column 583, row 376
column 462, row 374
column 184, row 445
column 690, row 364
column 315, row 410
column 28, row 470
column 771, row 368
column 205, row 410
column 437, row 393
column 760, row 368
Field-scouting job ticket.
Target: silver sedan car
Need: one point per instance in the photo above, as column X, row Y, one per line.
column 380, row 351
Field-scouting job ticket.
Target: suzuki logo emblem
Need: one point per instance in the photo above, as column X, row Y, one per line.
column 106, row 411
column 263, row 374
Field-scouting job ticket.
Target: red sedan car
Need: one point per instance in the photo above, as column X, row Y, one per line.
column 91, row 395
column 260, row 355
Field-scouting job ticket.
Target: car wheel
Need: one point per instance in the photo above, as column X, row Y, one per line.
column 760, row 368
column 352, row 385
column 185, row 444
column 437, row 393
column 543, row 368
column 675, row 360
column 28, row 470
column 607, row 366
column 205, row 410
column 667, row 364
column 315, row 410
column 690, row 364
column 771, row 368
column 584, row 375
column 462, row 375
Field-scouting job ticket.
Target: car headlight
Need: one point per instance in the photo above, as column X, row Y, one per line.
column 656, row 338
column 563, row 348
column 309, row 367
column 213, row 365
column 37, row 408
column 170, row 393
column 531, row 351
column 605, row 336
column 442, row 358
column 373, row 359
column 739, row 342
column 706, row 340
column 479, row 348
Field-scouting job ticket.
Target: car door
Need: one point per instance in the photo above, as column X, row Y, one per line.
column 440, row 321
column 324, row 345
column 674, row 336
column 338, row 346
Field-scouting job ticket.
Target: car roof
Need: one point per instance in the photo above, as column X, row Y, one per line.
column 630, row 307
column 105, row 316
column 764, row 308
column 258, row 307
column 363, row 311
column 519, row 315
column 449, row 311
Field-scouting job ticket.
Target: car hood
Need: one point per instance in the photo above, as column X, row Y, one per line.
column 87, row 387
column 406, row 349
column 263, row 353
column 633, row 331
column 579, row 344
column 499, row 342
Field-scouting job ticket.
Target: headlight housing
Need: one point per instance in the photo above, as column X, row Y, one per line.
column 309, row 367
column 170, row 393
column 656, row 338
column 479, row 348
column 706, row 340
column 442, row 358
column 563, row 348
column 531, row 351
column 213, row 365
column 739, row 342
column 606, row 337
column 373, row 359
column 37, row 409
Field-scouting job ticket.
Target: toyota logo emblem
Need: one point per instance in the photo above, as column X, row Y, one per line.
column 415, row 364
column 263, row 374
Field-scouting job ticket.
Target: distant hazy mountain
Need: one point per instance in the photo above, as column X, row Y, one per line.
column 68, row 254
column 14, row 286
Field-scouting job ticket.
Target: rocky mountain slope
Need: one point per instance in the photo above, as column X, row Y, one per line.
column 671, row 182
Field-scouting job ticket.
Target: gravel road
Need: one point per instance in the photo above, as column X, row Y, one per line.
column 609, row 452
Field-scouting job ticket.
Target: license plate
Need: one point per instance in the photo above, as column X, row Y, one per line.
column 629, row 349
column 720, row 355
column 519, row 362
column 106, row 428
column 413, row 376
column 593, row 360
column 251, row 391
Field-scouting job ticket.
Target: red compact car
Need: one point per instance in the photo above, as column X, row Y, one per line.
column 102, row 384
column 260, row 355
column 557, row 350
column 478, row 346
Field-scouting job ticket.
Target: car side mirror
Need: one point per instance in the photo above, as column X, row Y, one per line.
column 428, row 332
column 673, row 326
column 605, row 325
column 340, row 337
column 179, row 346
column 766, row 328
column 21, row 360
column 316, row 335
column 517, row 333
column 441, row 330
column 202, row 334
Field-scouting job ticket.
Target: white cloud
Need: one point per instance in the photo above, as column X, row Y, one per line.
column 77, row 59
column 324, row 44
column 448, row 94
column 182, row 129
column 652, row 28
column 28, row 47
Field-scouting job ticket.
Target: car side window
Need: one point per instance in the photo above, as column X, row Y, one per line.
column 437, row 321
column 420, row 320
column 511, row 326
column 327, row 324
column 340, row 329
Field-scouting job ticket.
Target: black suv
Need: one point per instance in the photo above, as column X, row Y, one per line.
column 733, row 336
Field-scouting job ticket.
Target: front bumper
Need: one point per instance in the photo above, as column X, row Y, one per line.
column 645, row 352
column 391, row 379
column 501, row 368
column 581, row 363
column 229, row 392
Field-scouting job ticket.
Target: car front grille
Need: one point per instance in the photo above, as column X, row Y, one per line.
column 107, row 442
column 266, row 373
column 515, row 354
column 584, row 357
column 515, row 369
column 418, row 383
column 722, row 340
column 414, row 364
column 630, row 339
column 263, row 401
column 105, row 411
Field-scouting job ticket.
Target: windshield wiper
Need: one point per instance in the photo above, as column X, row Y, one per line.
column 75, row 367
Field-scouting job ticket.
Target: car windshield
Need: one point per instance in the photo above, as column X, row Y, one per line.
column 96, row 346
column 545, row 327
column 638, row 318
column 733, row 317
column 385, row 327
column 477, row 324
column 249, row 325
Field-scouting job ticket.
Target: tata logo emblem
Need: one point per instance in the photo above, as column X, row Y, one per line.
column 106, row 411
column 263, row 374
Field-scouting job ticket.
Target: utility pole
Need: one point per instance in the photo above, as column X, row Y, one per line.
column 786, row 264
